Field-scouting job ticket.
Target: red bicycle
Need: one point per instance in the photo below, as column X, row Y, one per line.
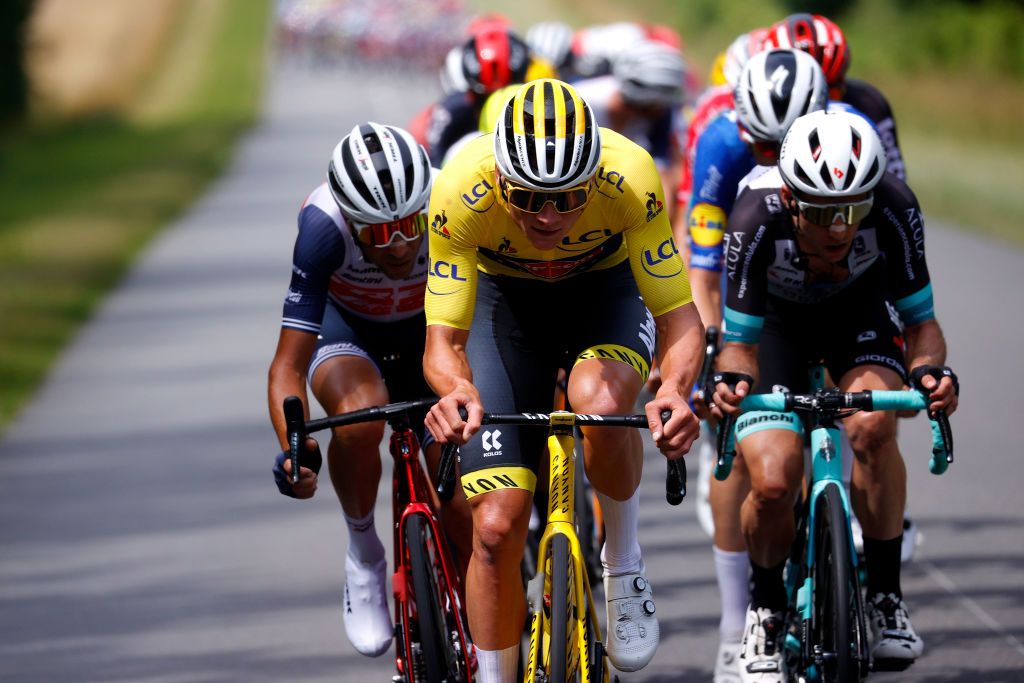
column 434, row 642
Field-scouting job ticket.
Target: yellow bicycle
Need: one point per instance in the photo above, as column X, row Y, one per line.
column 565, row 636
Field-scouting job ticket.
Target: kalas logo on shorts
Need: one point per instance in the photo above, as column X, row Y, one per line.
column 654, row 207
column 437, row 226
column 665, row 251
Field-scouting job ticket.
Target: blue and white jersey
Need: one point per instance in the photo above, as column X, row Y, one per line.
column 328, row 265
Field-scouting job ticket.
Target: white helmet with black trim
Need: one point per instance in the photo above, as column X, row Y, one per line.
column 379, row 174
column 775, row 88
column 832, row 154
column 547, row 137
column 551, row 41
column 651, row 73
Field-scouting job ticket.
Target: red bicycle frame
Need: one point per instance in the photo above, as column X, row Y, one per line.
column 411, row 495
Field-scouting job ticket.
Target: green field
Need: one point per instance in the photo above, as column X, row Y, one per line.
column 954, row 74
column 80, row 198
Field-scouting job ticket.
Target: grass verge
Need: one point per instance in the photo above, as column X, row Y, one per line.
column 80, row 198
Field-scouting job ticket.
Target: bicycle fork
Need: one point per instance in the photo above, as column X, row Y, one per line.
column 561, row 521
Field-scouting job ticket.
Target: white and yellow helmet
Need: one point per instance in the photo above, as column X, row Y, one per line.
column 547, row 137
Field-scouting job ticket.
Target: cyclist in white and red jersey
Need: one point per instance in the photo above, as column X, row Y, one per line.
column 826, row 42
column 353, row 328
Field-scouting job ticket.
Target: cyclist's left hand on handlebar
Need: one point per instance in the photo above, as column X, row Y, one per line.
column 940, row 383
column 674, row 437
column 446, row 423
column 306, row 486
column 727, row 401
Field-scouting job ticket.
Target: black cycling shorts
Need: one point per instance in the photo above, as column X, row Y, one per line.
column 395, row 348
column 523, row 331
column 858, row 326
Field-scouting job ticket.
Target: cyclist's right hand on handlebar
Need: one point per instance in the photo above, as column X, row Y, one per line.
column 306, row 486
column 726, row 399
column 446, row 420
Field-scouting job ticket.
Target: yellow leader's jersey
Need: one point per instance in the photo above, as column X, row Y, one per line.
column 625, row 219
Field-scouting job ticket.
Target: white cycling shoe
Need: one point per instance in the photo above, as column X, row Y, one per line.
column 727, row 669
column 367, row 619
column 893, row 638
column 761, row 657
column 633, row 632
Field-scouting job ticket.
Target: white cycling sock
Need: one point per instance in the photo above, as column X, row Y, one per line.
column 498, row 666
column 621, row 552
column 363, row 544
column 733, row 571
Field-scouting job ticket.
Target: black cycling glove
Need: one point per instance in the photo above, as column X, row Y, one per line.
column 936, row 371
column 311, row 459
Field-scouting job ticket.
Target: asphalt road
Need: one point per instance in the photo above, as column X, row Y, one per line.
column 142, row 538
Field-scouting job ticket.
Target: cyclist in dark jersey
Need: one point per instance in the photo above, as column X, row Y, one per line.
column 353, row 328
column 825, row 260
column 825, row 41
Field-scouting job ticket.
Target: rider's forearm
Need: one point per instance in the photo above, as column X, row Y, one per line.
column 926, row 345
column 287, row 376
column 707, row 294
column 680, row 348
column 445, row 365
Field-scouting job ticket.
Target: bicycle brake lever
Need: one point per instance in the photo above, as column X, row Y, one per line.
column 294, row 419
column 675, row 477
column 446, row 473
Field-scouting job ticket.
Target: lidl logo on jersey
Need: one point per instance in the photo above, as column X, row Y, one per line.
column 654, row 206
column 479, row 198
column 613, row 178
column 439, row 225
column 654, row 260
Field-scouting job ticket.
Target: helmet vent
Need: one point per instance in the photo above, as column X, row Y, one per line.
column 353, row 172
column 827, row 177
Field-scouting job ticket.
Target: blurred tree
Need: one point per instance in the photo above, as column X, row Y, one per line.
column 14, row 16
column 833, row 9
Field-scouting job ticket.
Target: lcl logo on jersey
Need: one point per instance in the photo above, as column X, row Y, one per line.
column 490, row 443
column 478, row 193
column 613, row 178
column 666, row 251
column 446, row 271
column 582, row 242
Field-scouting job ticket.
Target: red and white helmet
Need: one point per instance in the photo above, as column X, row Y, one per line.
column 816, row 35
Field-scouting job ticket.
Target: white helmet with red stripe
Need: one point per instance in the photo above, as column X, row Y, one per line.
column 832, row 154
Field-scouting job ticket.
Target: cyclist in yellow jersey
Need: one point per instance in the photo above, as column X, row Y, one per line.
column 550, row 245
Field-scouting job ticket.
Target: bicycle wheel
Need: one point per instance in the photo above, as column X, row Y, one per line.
column 834, row 620
column 441, row 661
column 561, row 604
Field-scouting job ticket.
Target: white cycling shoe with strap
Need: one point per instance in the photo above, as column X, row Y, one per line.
column 633, row 632
column 367, row 619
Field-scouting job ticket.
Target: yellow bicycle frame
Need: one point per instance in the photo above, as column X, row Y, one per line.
column 562, row 520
